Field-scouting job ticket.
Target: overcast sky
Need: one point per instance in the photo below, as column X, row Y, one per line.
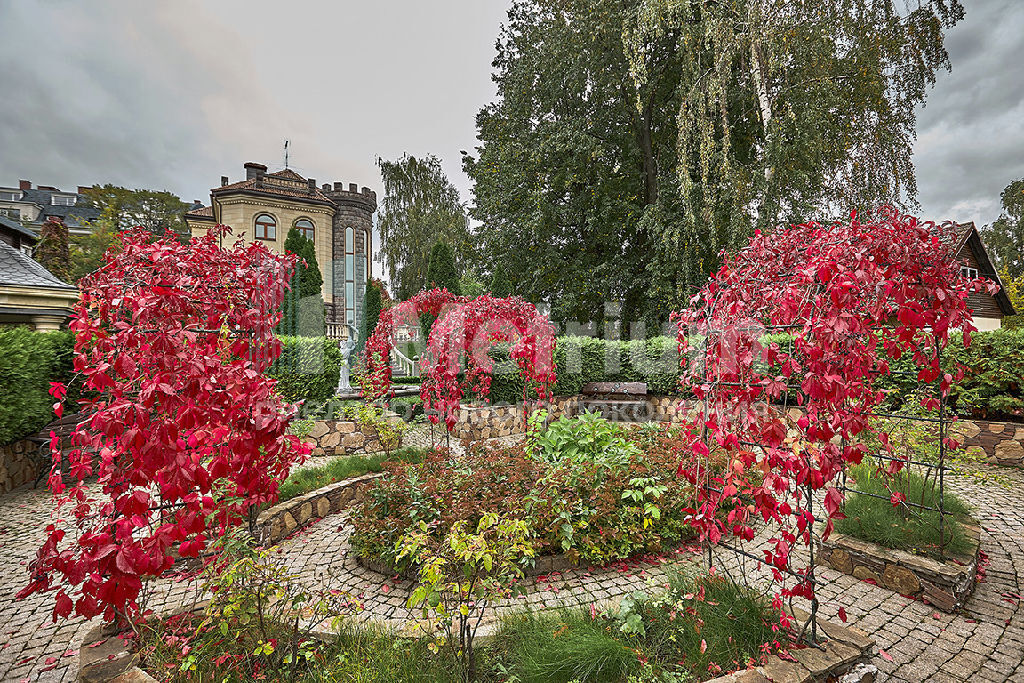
column 173, row 95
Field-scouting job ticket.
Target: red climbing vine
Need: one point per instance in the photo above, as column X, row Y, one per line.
column 852, row 296
column 185, row 433
column 456, row 358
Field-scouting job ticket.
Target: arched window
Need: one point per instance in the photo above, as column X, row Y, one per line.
column 266, row 227
column 305, row 226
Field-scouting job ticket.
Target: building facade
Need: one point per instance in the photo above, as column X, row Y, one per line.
column 988, row 310
column 32, row 206
column 339, row 220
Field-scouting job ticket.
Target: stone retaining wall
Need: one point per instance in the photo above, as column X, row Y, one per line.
column 18, row 465
column 1000, row 443
column 342, row 437
column 277, row 522
column 946, row 585
column 489, row 422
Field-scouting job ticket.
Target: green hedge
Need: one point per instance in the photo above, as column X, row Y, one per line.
column 29, row 361
column 581, row 360
column 308, row 368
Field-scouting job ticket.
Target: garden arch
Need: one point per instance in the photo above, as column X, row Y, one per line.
column 811, row 316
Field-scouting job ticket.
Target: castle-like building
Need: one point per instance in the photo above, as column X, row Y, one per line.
column 339, row 220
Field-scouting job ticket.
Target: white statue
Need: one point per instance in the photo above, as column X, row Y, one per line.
column 346, row 346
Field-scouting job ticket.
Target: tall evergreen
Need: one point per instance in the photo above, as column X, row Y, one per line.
column 373, row 304
column 302, row 312
column 500, row 286
column 441, row 270
column 441, row 273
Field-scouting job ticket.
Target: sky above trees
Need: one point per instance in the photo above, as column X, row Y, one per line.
column 174, row 95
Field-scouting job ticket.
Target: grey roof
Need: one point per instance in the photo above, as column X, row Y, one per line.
column 19, row 270
column 71, row 215
column 15, row 226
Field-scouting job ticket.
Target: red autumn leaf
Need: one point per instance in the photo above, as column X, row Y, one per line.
column 842, row 615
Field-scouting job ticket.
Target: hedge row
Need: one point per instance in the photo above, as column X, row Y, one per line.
column 29, row 361
column 308, row 368
column 581, row 360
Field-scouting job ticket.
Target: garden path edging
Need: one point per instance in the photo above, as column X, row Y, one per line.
column 279, row 521
column 945, row 585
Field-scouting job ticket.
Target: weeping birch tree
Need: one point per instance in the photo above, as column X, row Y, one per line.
column 420, row 207
column 639, row 138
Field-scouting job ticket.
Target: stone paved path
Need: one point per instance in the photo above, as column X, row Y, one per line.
column 917, row 644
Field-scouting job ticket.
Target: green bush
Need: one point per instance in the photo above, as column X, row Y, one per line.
column 593, row 509
column 308, row 368
column 29, row 361
column 581, row 360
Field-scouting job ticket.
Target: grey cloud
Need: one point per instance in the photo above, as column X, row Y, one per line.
column 971, row 132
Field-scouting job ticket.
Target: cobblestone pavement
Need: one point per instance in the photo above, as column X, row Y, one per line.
column 985, row 643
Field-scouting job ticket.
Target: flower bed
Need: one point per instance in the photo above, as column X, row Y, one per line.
column 594, row 495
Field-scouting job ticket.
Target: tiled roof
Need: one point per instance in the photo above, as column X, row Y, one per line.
column 252, row 185
column 201, row 212
column 18, row 270
column 15, row 226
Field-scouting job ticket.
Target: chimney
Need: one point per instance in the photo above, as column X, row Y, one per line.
column 253, row 170
column 223, row 180
column 24, row 184
column 311, row 182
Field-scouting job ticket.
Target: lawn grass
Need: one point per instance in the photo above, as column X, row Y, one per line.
column 701, row 627
column 903, row 528
column 311, row 478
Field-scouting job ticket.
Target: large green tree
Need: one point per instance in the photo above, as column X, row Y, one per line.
column 159, row 211
column 1004, row 238
column 121, row 208
column 420, row 207
column 632, row 140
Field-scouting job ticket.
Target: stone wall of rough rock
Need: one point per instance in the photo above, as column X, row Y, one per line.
column 279, row 521
column 341, row 437
column 946, row 585
column 1000, row 443
column 488, row 422
column 18, row 464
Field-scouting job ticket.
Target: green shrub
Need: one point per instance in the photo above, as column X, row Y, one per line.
column 587, row 508
column 581, row 360
column 29, row 361
column 308, row 368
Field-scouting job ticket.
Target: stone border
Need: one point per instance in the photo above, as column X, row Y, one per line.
column 845, row 649
column 277, row 522
column 945, row 585
column 104, row 658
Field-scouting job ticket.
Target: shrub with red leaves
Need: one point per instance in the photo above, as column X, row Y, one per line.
column 854, row 295
column 186, row 434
